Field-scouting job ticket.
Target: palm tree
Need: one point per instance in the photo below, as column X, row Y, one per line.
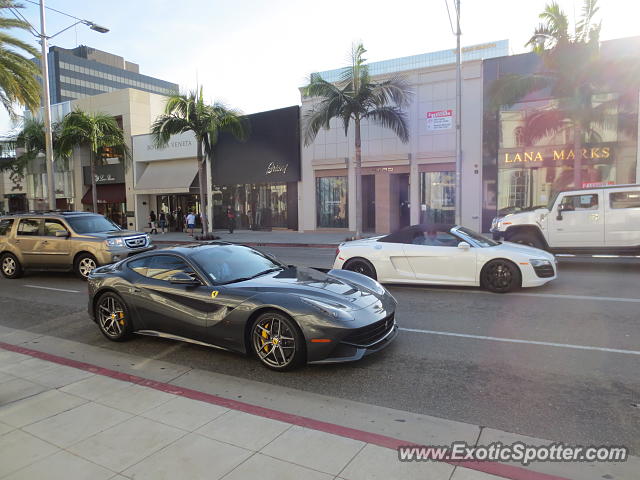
column 100, row 132
column 18, row 74
column 573, row 71
column 353, row 98
column 190, row 113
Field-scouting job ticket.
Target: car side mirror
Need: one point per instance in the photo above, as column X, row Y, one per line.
column 182, row 278
column 62, row 233
column 464, row 246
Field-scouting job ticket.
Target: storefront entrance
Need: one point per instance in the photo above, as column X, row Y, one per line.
column 176, row 207
column 437, row 197
column 256, row 206
column 369, row 203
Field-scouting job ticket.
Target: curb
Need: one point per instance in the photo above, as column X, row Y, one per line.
column 500, row 469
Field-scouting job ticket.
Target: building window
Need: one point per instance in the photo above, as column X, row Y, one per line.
column 331, row 201
column 438, row 197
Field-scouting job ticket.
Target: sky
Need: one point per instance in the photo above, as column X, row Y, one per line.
column 255, row 54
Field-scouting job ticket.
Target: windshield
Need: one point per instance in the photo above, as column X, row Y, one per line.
column 233, row 263
column 92, row 224
column 481, row 240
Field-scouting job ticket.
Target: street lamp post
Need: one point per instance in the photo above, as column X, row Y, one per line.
column 46, row 100
column 458, row 119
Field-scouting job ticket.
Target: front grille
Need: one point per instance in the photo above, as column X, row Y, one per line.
column 136, row 242
column 367, row 336
column 544, row 271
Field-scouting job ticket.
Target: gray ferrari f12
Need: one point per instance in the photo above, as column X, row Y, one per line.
column 236, row 298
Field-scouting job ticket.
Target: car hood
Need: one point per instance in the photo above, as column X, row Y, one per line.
column 518, row 248
column 307, row 282
column 119, row 233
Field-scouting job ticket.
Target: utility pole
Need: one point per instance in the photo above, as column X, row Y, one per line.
column 44, row 68
column 458, row 118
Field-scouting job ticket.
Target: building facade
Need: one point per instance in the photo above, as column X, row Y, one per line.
column 85, row 71
column 523, row 170
column 257, row 177
column 409, row 183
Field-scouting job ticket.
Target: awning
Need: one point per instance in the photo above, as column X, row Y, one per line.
column 170, row 176
column 111, row 193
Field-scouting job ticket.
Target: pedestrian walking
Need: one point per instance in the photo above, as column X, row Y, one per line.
column 152, row 223
column 162, row 221
column 191, row 223
column 231, row 218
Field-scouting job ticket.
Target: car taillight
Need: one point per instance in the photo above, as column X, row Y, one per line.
column 337, row 251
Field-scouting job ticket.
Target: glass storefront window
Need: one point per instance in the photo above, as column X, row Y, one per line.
column 261, row 205
column 437, row 197
column 331, row 202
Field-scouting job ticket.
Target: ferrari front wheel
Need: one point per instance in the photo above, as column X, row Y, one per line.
column 277, row 341
column 360, row 265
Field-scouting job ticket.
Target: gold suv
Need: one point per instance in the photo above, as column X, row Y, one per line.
column 77, row 241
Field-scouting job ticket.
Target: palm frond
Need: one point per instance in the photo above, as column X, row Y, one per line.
column 584, row 25
column 510, row 89
column 391, row 117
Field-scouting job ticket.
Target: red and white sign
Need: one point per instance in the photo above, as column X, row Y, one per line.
column 597, row 184
column 440, row 120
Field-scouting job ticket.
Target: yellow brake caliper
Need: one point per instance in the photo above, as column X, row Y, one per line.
column 265, row 336
column 121, row 315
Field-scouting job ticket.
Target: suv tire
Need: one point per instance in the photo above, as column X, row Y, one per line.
column 84, row 264
column 529, row 239
column 10, row 266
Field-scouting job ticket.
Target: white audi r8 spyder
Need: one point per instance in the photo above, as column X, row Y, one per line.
column 447, row 255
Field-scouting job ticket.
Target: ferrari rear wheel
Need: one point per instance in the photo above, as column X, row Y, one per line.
column 500, row 276
column 277, row 341
column 360, row 265
column 112, row 316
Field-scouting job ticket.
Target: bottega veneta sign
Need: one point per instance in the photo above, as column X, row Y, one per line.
column 176, row 144
column 553, row 156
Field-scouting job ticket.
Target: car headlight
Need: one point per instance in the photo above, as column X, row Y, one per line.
column 114, row 242
column 538, row 262
column 377, row 288
column 329, row 308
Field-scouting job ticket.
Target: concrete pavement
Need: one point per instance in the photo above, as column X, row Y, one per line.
column 62, row 418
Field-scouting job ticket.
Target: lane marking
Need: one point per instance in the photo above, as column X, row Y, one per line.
column 519, row 294
column 55, row 289
column 515, row 340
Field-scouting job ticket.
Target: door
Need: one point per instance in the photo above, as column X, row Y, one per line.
column 182, row 310
column 55, row 251
column 27, row 240
column 622, row 226
column 369, row 203
column 577, row 220
column 435, row 258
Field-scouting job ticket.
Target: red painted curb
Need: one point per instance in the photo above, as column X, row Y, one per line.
column 499, row 469
column 254, row 244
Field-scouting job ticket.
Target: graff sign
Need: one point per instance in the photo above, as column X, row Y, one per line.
column 277, row 168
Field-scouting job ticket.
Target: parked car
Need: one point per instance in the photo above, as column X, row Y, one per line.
column 590, row 220
column 64, row 241
column 236, row 298
column 447, row 255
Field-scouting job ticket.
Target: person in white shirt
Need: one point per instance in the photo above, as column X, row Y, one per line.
column 191, row 222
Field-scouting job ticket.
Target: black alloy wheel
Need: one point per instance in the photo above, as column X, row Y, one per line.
column 360, row 265
column 112, row 316
column 277, row 341
column 10, row 266
column 500, row 276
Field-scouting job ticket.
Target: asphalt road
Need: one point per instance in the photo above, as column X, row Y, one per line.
column 558, row 362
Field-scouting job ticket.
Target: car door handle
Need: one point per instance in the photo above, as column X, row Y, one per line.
column 134, row 290
column 45, row 242
column 595, row 216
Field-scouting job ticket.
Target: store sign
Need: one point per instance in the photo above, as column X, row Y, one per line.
column 440, row 120
column 105, row 174
column 183, row 145
column 275, row 168
column 554, row 156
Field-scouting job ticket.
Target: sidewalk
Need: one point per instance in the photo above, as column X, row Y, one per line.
column 282, row 238
column 59, row 422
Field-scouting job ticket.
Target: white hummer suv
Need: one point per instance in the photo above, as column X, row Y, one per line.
column 593, row 220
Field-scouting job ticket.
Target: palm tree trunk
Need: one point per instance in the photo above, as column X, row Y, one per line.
column 202, row 181
column 94, row 190
column 577, row 162
column 358, row 170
